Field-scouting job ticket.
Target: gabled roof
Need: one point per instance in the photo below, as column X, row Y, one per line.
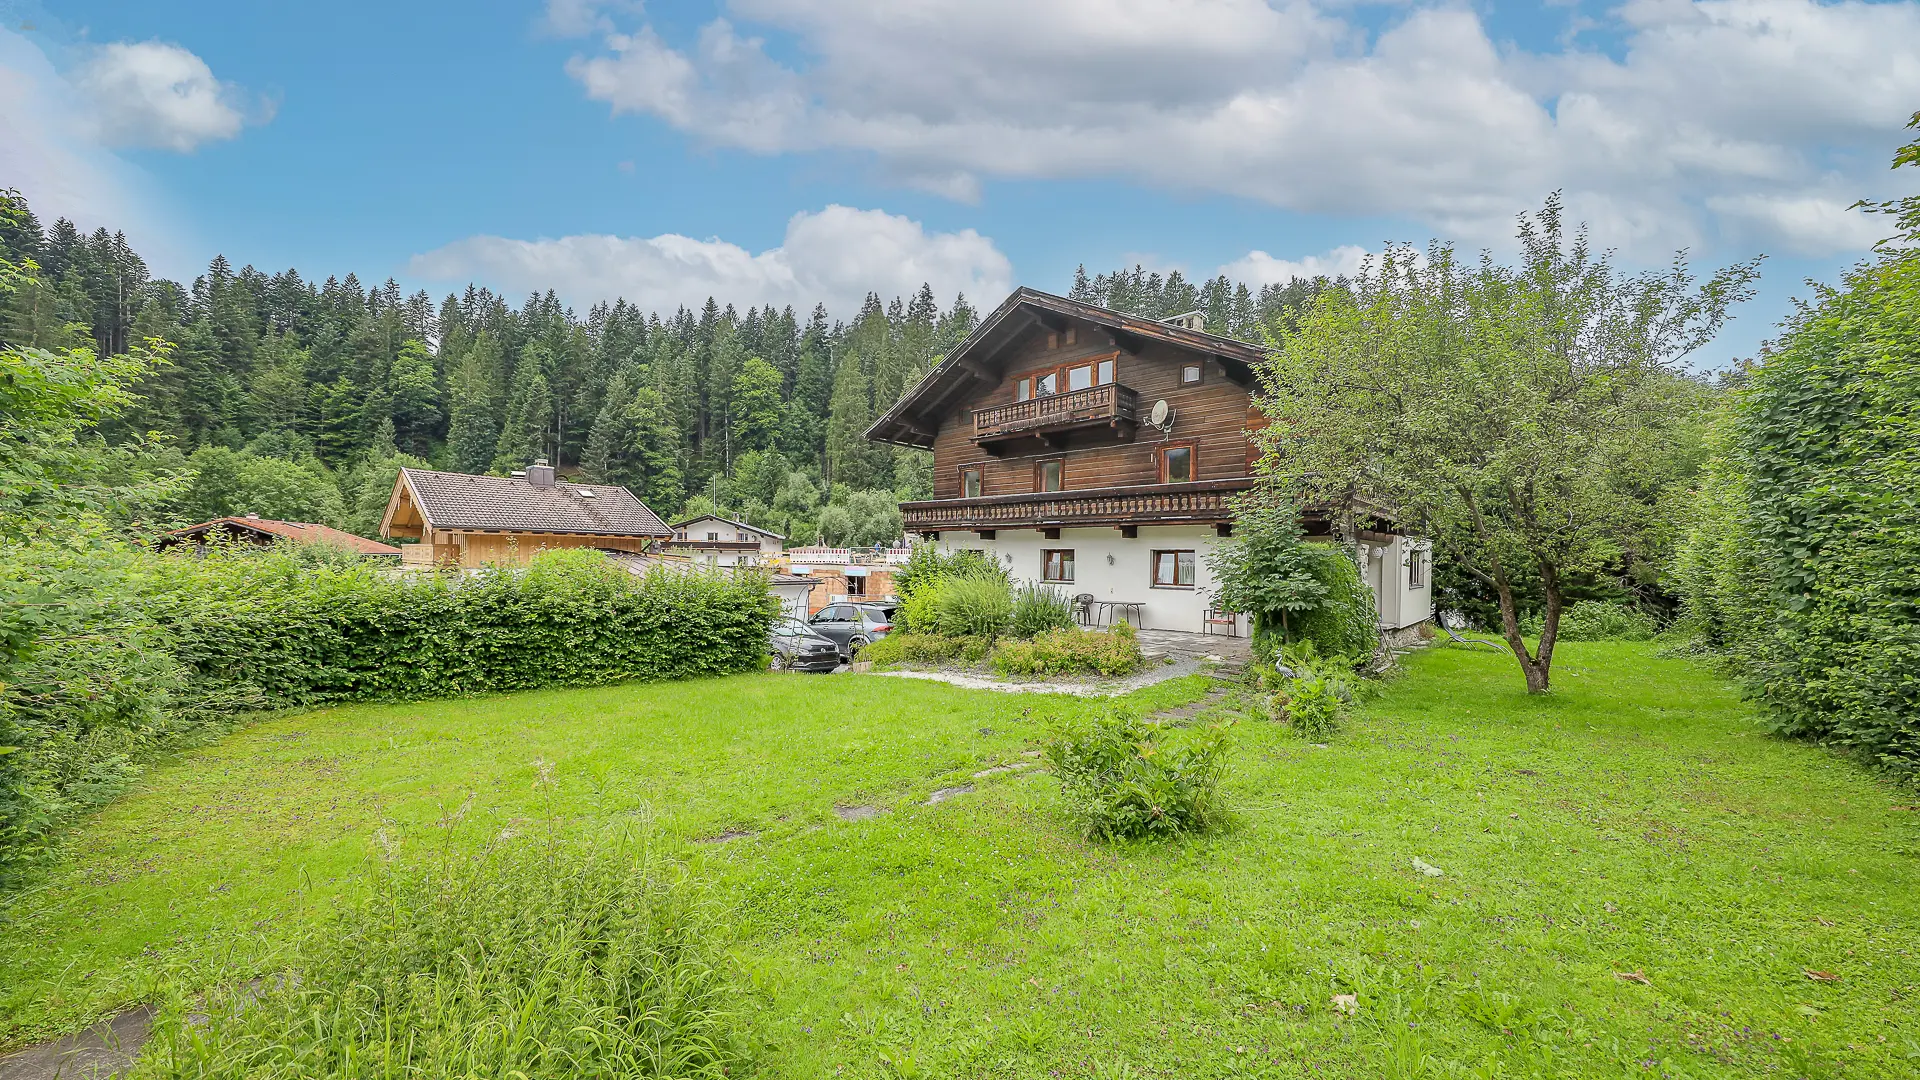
column 267, row 528
column 514, row 504
column 913, row 420
column 678, row 525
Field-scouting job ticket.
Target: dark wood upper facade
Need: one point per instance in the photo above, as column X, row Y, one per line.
column 1043, row 418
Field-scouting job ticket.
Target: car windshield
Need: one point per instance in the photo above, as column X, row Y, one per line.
column 791, row 628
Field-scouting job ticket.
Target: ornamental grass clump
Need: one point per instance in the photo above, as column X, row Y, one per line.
column 1122, row 779
column 533, row 959
column 972, row 607
column 1038, row 609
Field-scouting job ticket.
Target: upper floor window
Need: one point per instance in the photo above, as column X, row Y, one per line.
column 1189, row 374
column 1416, row 569
column 1078, row 375
column 969, row 483
column 1176, row 464
column 1049, row 475
column 713, row 536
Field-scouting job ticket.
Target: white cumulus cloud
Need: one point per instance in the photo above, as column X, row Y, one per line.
column 1749, row 102
column 155, row 94
column 1258, row 268
column 836, row 255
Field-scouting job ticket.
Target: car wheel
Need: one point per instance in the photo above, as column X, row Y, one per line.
column 779, row 662
column 856, row 643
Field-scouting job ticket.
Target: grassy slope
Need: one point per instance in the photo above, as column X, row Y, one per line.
column 1634, row 821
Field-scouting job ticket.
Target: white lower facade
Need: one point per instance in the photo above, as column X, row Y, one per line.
column 1115, row 569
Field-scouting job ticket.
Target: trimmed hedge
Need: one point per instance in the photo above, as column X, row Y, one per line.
column 306, row 636
column 1800, row 565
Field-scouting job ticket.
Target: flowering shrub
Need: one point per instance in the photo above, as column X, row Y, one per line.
column 1071, row 652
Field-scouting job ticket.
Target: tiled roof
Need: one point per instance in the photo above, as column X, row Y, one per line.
column 678, row 525
column 514, row 504
column 291, row 530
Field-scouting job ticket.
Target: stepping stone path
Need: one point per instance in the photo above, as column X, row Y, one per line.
column 106, row 1049
column 730, row 834
column 856, row 813
column 946, row 793
column 1189, row 711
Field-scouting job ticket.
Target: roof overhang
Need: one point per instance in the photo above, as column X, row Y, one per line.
column 915, row 418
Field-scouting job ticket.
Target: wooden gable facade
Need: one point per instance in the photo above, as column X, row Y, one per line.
column 1044, row 417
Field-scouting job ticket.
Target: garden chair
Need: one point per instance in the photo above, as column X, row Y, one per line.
column 1083, row 607
column 1217, row 617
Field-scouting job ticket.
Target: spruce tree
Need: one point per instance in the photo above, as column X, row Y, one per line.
column 528, row 425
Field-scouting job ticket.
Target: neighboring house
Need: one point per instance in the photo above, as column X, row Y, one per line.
column 794, row 591
column 468, row 521
column 1100, row 453
column 254, row 529
column 718, row 541
column 846, row 574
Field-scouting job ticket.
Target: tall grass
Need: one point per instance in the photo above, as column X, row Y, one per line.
column 532, row 959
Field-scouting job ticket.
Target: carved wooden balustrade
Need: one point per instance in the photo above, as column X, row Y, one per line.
column 1202, row 502
column 1111, row 403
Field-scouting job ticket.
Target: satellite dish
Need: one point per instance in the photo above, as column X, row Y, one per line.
column 1162, row 415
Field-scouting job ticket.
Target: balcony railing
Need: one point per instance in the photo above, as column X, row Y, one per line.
column 1111, row 404
column 1201, row 502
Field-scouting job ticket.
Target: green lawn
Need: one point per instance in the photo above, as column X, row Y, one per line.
column 1633, row 822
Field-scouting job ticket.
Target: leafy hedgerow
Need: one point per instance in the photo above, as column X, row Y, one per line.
column 1799, row 569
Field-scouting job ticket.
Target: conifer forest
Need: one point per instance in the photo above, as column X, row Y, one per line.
column 301, row 399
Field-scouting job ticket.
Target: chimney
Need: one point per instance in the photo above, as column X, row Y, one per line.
column 540, row 474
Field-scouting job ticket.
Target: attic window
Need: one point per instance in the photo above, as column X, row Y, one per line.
column 1189, row 374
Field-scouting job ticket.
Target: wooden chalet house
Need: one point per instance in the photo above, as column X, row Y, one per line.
column 469, row 521
column 1099, row 453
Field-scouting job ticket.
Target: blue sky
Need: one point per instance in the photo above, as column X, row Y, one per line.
column 792, row 150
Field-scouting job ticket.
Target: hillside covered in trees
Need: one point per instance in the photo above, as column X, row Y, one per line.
column 301, row 400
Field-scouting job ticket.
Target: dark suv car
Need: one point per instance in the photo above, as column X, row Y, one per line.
column 795, row 647
column 852, row 625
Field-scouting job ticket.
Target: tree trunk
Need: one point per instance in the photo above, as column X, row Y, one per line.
column 1537, row 669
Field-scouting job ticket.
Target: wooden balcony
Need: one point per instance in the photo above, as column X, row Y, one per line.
column 1111, row 406
column 1205, row 502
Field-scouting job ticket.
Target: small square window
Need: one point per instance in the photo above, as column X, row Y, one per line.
column 1417, row 569
column 1173, row 569
column 1080, row 377
column 1023, row 390
column 1189, row 374
column 711, row 537
column 1105, row 373
column 1049, row 476
column 1045, row 384
column 969, row 483
column 1056, row 565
